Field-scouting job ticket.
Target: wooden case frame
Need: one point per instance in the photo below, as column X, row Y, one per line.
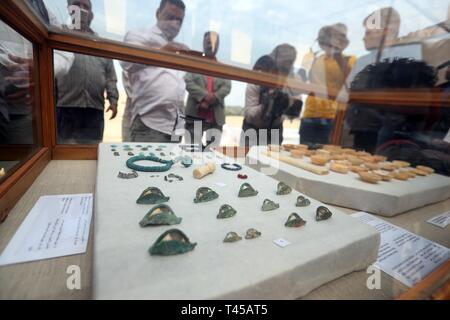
column 18, row 15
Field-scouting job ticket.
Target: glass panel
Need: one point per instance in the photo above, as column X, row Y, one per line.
column 250, row 29
column 153, row 102
column 378, row 48
column 18, row 132
column 85, row 87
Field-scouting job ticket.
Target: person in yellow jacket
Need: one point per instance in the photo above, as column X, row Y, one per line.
column 330, row 71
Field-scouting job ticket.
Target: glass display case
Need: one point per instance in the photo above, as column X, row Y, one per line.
column 19, row 132
column 345, row 103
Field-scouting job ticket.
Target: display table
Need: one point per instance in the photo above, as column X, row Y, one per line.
column 48, row 279
column 250, row 269
column 347, row 190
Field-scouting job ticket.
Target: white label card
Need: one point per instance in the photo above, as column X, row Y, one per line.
column 221, row 184
column 282, row 243
column 404, row 255
column 57, row 226
column 441, row 221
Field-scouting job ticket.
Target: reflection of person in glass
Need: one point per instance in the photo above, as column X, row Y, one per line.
column 16, row 83
column 157, row 93
column 436, row 47
column 258, row 119
column 16, row 88
column 266, row 108
column 284, row 56
column 404, row 134
column 40, row 9
column 81, row 92
column 365, row 123
column 206, row 97
column 329, row 70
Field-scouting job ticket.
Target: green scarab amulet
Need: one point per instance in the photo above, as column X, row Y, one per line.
column 269, row 205
column 247, row 191
column 323, row 213
column 160, row 215
column 226, row 211
column 205, row 194
column 186, row 161
column 152, row 195
column 252, row 234
column 294, row 221
column 232, row 237
column 171, row 243
column 283, row 189
column 302, row 202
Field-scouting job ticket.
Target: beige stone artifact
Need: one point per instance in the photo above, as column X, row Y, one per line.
column 401, row 164
column 201, row 172
column 426, row 169
column 388, row 166
column 339, row 168
column 338, row 156
column 354, row 160
column 385, row 175
column 323, row 153
column 379, row 158
column 297, row 153
column 320, row 160
column 367, row 159
column 369, row 177
column 410, row 173
column 358, row 169
column 420, row 172
column 372, row 166
column 403, row 176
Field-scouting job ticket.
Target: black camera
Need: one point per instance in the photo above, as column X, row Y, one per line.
column 277, row 103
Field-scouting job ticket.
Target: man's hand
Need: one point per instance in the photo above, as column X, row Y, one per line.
column 19, row 64
column 19, row 79
column 112, row 108
column 210, row 98
column 204, row 105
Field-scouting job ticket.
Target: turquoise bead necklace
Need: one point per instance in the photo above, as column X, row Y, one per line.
column 131, row 163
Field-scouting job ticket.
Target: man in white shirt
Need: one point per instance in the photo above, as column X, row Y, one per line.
column 157, row 94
